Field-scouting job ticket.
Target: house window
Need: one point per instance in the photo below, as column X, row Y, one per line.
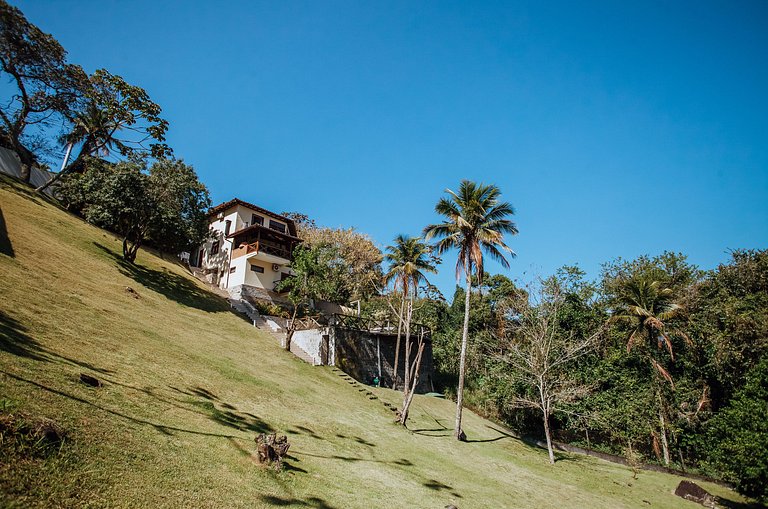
column 257, row 219
column 227, row 227
column 215, row 248
column 232, row 270
column 258, row 269
column 274, row 225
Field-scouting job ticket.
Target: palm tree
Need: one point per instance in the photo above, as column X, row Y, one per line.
column 408, row 260
column 475, row 221
column 648, row 307
column 95, row 129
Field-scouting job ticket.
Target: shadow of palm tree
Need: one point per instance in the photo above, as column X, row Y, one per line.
column 173, row 286
column 224, row 413
column 315, row 502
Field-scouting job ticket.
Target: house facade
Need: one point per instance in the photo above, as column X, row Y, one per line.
column 250, row 249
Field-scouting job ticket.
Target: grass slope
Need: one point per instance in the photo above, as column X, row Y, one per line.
column 188, row 384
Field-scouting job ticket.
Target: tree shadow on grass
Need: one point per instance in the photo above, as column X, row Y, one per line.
column 436, row 485
column 732, row 504
column 166, row 430
column 224, row 413
column 15, row 340
column 315, row 502
column 440, row 430
column 6, row 247
column 171, row 285
column 502, row 436
column 24, row 190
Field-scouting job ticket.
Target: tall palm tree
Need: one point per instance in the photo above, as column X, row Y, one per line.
column 475, row 221
column 94, row 128
column 408, row 261
column 648, row 307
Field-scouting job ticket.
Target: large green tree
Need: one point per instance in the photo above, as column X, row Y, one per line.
column 475, row 221
column 313, row 278
column 164, row 203
column 114, row 117
column 45, row 84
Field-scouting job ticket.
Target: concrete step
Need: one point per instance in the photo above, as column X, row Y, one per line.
column 301, row 354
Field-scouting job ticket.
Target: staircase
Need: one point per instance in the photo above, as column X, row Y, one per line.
column 270, row 326
column 245, row 307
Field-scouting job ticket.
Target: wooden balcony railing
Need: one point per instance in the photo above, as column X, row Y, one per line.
column 244, row 249
column 256, row 247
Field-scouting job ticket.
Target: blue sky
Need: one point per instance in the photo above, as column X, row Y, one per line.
column 614, row 128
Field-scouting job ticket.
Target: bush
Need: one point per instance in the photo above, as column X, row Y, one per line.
column 739, row 436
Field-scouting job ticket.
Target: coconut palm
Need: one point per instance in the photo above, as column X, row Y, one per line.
column 94, row 128
column 475, row 221
column 648, row 307
column 408, row 261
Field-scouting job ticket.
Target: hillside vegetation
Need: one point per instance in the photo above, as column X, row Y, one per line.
column 188, row 385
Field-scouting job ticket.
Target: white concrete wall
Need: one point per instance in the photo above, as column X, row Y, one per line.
column 244, row 218
column 310, row 341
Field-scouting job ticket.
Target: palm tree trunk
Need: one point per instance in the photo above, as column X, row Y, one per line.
column 63, row 171
column 664, row 444
column 457, row 433
column 397, row 347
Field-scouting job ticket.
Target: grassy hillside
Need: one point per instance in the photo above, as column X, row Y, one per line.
column 188, row 385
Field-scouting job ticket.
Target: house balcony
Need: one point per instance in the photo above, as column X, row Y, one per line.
column 263, row 251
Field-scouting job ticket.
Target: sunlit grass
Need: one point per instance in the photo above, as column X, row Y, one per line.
column 188, row 385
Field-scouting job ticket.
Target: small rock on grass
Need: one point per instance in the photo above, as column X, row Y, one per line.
column 695, row 493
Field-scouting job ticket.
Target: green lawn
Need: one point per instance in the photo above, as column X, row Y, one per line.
column 188, row 385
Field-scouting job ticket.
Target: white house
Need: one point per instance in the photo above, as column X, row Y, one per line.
column 250, row 250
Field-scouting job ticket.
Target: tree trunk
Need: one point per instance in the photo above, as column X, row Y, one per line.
column 291, row 329
column 463, row 357
column 545, row 410
column 130, row 249
column 664, row 444
column 26, row 172
column 397, row 346
column 415, row 380
column 407, row 358
column 549, row 438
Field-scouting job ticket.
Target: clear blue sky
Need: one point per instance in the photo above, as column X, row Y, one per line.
column 614, row 128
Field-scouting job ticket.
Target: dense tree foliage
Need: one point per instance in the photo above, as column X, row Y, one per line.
column 708, row 332
column 355, row 265
column 164, row 204
column 739, row 434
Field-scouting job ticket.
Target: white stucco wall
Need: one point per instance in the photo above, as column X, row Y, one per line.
column 310, row 341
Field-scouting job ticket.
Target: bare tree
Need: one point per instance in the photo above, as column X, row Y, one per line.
column 539, row 348
column 411, row 360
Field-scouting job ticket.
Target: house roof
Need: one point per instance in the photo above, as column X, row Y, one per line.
column 231, row 203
